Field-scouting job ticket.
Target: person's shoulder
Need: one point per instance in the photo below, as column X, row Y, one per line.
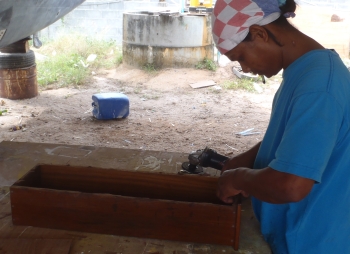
column 319, row 71
column 323, row 61
column 319, row 59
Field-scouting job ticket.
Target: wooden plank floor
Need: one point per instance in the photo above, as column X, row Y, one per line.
column 17, row 158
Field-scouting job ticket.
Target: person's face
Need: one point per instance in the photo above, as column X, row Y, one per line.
column 257, row 56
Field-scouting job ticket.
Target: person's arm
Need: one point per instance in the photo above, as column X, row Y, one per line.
column 266, row 184
column 245, row 159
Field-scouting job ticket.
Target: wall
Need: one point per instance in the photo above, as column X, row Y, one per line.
column 101, row 18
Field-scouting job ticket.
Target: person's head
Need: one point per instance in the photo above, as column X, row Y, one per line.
column 241, row 32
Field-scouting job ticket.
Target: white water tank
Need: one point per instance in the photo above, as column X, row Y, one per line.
column 166, row 40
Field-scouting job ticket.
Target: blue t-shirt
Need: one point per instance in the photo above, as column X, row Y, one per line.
column 309, row 136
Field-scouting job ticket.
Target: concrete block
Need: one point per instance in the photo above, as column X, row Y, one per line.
column 114, row 34
column 71, row 22
column 87, row 23
column 93, row 5
column 97, row 5
column 114, row 23
column 117, row 38
column 83, row 7
column 116, row 5
column 81, row 30
column 110, row 14
column 138, row 6
column 88, row 14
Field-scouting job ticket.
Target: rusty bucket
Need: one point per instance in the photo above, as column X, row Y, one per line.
column 18, row 83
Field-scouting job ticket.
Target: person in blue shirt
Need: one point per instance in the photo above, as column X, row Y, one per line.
column 299, row 175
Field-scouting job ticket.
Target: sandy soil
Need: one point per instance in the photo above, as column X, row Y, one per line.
column 165, row 113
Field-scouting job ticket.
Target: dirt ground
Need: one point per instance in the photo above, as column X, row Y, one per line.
column 166, row 114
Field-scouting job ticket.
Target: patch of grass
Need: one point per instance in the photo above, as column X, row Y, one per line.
column 151, row 96
column 206, row 64
column 239, row 84
column 66, row 62
column 216, row 91
column 119, row 59
column 63, row 70
column 137, row 90
column 150, row 68
column 3, row 111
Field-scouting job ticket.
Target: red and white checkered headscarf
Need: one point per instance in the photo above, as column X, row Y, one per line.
column 231, row 20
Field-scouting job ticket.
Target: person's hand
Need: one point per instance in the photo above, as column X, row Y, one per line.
column 226, row 186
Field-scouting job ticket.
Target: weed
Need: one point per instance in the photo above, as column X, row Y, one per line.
column 216, row 91
column 137, row 90
column 151, row 96
column 206, row 64
column 67, row 64
column 68, row 95
column 150, row 68
column 243, row 84
column 119, row 60
column 3, row 111
column 63, row 69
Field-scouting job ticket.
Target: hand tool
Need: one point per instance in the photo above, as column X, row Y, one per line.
column 203, row 158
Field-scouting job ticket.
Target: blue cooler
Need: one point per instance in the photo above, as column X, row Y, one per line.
column 110, row 106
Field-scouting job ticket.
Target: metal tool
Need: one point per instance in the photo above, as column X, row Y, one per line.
column 203, row 158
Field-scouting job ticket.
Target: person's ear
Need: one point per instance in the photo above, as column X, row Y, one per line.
column 258, row 32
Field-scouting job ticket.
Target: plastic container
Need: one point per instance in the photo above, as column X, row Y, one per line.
column 110, row 106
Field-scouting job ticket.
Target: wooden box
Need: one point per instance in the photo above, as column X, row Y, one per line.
column 128, row 203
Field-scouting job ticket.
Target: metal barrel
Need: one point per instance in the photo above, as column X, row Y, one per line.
column 19, row 83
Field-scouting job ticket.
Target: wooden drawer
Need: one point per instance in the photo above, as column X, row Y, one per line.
column 128, row 203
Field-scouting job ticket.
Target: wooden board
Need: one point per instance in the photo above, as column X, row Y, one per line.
column 201, row 84
column 138, row 204
column 35, row 246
